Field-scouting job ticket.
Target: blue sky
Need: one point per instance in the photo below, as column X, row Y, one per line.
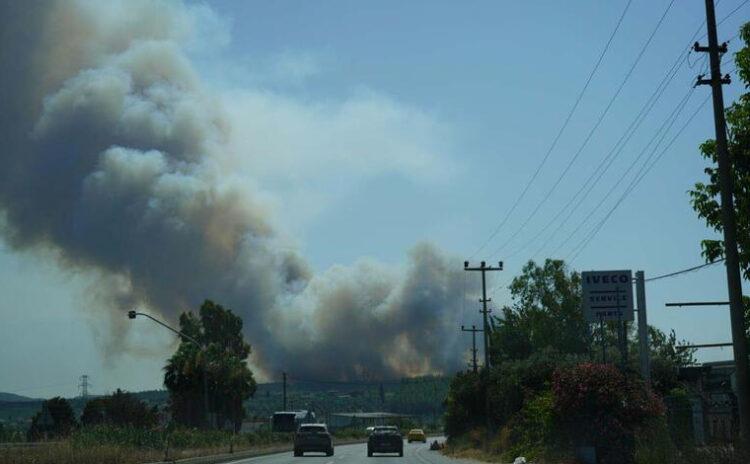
column 469, row 96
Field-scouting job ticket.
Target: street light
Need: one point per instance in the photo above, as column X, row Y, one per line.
column 132, row 315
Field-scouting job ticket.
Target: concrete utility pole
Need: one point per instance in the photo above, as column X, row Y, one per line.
column 729, row 224
column 474, row 350
column 284, row 377
column 483, row 268
column 643, row 343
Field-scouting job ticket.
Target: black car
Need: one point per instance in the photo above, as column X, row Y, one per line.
column 385, row 439
column 313, row 438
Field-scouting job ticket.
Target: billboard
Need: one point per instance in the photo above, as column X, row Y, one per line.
column 607, row 295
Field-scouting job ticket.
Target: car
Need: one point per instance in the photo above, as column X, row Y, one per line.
column 385, row 439
column 313, row 438
column 416, row 435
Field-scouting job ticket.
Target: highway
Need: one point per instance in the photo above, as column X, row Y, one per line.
column 414, row 453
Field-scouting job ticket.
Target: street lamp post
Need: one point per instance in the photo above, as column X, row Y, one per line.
column 133, row 314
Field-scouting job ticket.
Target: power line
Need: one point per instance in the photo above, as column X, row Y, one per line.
column 589, row 135
column 606, row 162
column 673, row 116
column 559, row 132
column 730, row 14
column 684, row 271
column 653, row 143
column 636, row 180
column 657, row 138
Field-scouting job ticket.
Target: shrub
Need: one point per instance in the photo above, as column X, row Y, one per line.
column 56, row 419
column 530, row 432
column 653, row 444
column 596, row 405
column 680, row 418
column 464, row 405
column 120, row 408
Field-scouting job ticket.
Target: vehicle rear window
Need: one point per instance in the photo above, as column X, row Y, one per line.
column 386, row 430
column 312, row 428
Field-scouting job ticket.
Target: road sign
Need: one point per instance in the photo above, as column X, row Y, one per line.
column 607, row 295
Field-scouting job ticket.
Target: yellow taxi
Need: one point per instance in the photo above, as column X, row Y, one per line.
column 416, row 435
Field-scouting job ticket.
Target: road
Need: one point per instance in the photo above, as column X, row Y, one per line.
column 414, row 453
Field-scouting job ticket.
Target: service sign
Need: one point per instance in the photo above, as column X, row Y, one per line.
column 607, row 295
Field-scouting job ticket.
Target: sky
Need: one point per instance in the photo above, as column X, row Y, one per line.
column 392, row 123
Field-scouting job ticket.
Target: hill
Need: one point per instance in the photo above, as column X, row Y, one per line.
column 420, row 397
column 15, row 398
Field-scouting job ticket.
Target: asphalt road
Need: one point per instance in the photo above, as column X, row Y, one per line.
column 414, row 453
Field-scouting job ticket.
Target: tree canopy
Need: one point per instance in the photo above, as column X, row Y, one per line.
column 120, row 408
column 545, row 314
column 705, row 196
column 55, row 419
column 221, row 356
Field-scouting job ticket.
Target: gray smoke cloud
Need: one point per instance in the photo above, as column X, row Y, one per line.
column 111, row 160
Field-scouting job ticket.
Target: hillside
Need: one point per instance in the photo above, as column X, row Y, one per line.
column 16, row 398
column 421, row 397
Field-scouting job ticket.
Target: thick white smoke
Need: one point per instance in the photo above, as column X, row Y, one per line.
column 113, row 159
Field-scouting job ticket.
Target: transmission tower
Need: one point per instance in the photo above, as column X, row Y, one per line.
column 84, row 386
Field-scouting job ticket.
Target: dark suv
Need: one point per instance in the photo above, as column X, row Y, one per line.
column 313, row 437
column 385, row 439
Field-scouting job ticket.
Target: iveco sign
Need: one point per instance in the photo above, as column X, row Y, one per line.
column 607, row 295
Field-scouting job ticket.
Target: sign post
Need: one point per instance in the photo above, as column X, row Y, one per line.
column 608, row 297
column 643, row 343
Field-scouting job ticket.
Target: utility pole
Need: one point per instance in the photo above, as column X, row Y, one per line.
column 284, row 376
column 729, row 224
column 84, row 386
column 643, row 344
column 483, row 268
column 474, row 350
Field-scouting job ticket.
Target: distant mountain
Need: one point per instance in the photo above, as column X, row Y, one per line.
column 15, row 398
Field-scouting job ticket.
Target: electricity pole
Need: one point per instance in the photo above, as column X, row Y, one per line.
column 474, row 350
column 483, row 268
column 284, row 376
column 729, row 224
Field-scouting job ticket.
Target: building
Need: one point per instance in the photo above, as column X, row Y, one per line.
column 713, row 386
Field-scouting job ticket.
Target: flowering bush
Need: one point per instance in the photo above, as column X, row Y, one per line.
column 597, row 405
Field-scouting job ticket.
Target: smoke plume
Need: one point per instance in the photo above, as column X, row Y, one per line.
column 112, row 159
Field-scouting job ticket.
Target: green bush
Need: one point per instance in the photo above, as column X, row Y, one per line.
column 680, row 418
column 653, row 444
column 464, row 405
column 530, row 432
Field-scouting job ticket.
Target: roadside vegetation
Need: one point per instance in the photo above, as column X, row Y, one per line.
column 550, row 396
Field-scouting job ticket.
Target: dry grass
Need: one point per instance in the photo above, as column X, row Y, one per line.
column 471, row 453
column 65, row 453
